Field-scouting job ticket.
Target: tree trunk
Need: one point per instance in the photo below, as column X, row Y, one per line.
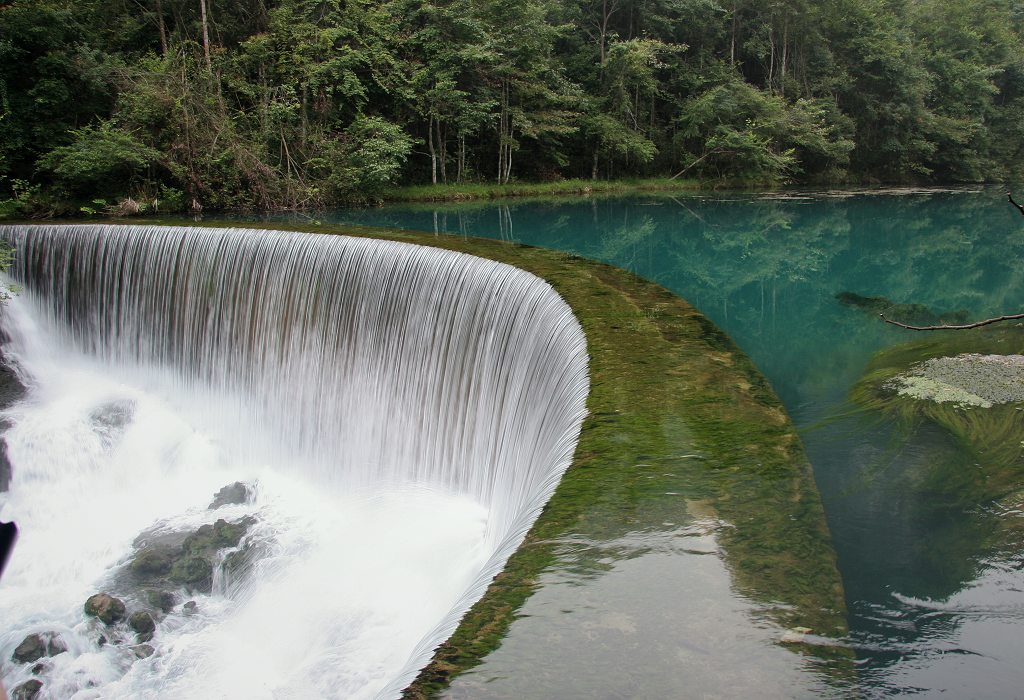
column 206, row 34
column 785, row 46
column 163, row 29
column 735, row 27
column 462, row 160
column 442, row 150
column 433, row 152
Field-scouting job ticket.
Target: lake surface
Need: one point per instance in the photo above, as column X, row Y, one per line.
column 933, row 580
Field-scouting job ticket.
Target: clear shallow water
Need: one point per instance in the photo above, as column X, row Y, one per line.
column 936, row 600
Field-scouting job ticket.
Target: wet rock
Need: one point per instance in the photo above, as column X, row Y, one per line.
column 114, row 416
column 32, row 648
column 143, row 624
column 111, row 420
column 153, row 561
column 106, row 607
column 142, row 651
column 11, row 388
column 36, row 646
column 193, row 571
column 222, row 534
column 190, row 608
column 27, row 690
column 231, row 494
column 239, row 562
column 5, row 467
column 164, row 601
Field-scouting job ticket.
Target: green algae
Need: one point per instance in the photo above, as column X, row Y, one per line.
column 679, row 422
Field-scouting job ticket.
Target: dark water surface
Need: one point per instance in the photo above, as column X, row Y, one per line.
column 933, row 581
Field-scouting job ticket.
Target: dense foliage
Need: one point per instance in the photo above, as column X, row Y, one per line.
column 294, row 103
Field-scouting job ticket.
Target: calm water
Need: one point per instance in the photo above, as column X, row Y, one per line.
column 935, row 589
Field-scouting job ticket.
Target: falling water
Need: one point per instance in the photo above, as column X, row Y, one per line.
column 404, row 412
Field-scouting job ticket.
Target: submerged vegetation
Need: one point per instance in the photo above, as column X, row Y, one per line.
column 163, row 105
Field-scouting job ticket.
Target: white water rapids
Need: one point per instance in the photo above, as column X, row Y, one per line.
column 403, row 412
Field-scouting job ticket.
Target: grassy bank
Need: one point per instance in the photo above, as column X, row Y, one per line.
column 467, row 191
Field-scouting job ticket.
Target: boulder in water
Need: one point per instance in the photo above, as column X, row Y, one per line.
column 36, row 646
column 153, row 561
column 232, row 494
column 142, row 651
column 193, row 571
column 27, row 690
column 163, row 601
column 105, row 607
column 143, row 624
column 209, row 538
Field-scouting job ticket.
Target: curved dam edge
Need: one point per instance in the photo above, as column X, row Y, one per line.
column 679, row 421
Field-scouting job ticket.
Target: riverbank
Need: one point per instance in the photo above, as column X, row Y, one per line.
column 31, row 205
column 485, row 190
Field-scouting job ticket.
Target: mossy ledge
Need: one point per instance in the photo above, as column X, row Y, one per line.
column 668, row 389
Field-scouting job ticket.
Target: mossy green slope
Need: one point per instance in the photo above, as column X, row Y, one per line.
column 675, row 408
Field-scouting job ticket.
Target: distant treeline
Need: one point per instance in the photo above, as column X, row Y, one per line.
column 277, row 104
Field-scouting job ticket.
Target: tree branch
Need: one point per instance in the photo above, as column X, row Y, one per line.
column 952, row 328
column 1009, row 196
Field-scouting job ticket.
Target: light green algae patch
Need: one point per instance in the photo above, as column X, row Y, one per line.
column 970, row 379
column 681, row 426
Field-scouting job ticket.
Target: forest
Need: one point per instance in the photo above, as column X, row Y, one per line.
column 294, row 104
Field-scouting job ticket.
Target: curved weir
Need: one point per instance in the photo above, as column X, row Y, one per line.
column 404, row 413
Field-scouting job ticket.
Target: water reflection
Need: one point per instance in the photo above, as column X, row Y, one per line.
column 591, row 631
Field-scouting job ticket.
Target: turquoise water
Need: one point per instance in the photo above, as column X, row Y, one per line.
column 935, row 592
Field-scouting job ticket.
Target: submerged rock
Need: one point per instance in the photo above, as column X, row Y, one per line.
column 114, row 416
column 164, row 601
column 105, row 607
column 143, row 625
column 36, row 646
column 232, row 494
column 142, row 651
column 153, row 561
column 190, row 608
column 27, row 690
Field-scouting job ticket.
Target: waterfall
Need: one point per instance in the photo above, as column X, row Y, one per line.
column 379, row 392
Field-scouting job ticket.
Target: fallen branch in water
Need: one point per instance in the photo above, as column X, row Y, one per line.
column 952, row 328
